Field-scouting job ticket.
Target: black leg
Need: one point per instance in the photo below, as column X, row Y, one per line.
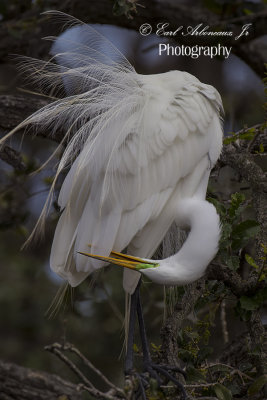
column 145, row 346
column 149, row 367
column 152, row 368
column 130, row 341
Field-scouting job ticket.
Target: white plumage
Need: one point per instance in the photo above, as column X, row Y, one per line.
column 140, row 149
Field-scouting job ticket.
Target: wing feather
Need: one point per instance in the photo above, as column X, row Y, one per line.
column 139, row 140
column 138, row 206
column 134, row 145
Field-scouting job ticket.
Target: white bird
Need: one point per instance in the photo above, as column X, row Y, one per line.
column 140, row 150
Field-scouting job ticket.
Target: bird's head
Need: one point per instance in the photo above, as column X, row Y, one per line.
column 158, row 271
column 124, row 260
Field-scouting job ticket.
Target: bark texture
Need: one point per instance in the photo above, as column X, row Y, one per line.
column 19, row 383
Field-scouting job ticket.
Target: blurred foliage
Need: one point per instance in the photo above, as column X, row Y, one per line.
column 229, row 8
column 217, row 378
column 235, row 231
column 11, row 9
column 125, row 7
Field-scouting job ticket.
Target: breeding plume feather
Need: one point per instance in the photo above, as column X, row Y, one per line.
column 139, row 149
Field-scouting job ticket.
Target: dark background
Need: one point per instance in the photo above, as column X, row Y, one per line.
column 91, row 316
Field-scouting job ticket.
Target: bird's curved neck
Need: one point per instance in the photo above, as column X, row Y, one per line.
column 201, row 245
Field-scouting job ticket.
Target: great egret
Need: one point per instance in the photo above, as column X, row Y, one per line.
column 140, row 150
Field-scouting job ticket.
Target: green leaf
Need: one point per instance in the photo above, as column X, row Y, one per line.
column 236, row 200
column 226, row 233
column 233, row 263
column 245, row 315
column 247, row 11
column 135, row 348
column 247, row 134
column 192, row 334
column 261, row 148
column 251, row 261
column 264, row 248
column 222, row 392
column 230, row 139
column 245, row 366
column 219, row 368
column 204, row 353
column 257, row 385
column 254, row 302
column 155, row 348
column 243, row 232
column 218, row 205
column 248, row 303
column 194, row 375
column 124, row 7
column 234, row 388
column 261, row 296
column 186, row 355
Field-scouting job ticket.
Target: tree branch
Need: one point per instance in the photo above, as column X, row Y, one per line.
column 12, row 157
column 239, row 158
column 242, row 162
column 23, row 383
column 114, row 393
column 173, row 323
column 15, row 108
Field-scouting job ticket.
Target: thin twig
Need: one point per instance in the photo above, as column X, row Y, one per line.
column 207, row 398
column 228, row 366
column 200, row 385
column 55, row 349
column 113, row 394
column 107, row 396
column 73, row 349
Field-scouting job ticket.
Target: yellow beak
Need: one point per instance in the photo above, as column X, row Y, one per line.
column 123, row 260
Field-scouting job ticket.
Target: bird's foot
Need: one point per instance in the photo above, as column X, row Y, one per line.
column 136, row 384
column 160, row 373
column 167, row 371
